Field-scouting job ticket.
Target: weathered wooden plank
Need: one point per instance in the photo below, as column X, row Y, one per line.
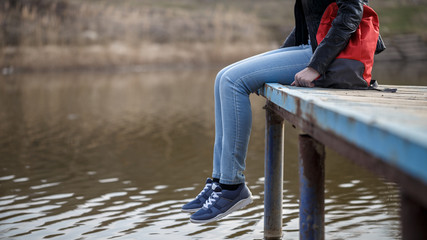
column 390, row 126
column 384, row 132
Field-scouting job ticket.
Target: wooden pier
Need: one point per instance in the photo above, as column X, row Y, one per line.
column 384, row 132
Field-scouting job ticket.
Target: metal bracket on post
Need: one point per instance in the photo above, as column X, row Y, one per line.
column 312, row 188
column 273, row 185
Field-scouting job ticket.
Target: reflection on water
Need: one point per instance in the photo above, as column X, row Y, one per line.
column 114, row 156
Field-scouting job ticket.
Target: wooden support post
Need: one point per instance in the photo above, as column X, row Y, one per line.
column 273, row 185
column 312, row 188
column 414, row 218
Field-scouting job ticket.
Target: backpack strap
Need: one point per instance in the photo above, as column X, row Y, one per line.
column 374, row 86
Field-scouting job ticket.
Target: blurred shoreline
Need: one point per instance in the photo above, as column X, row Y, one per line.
column 118, row 56
column 68, row 35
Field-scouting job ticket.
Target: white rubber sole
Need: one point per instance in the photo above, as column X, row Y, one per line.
column 239, row 205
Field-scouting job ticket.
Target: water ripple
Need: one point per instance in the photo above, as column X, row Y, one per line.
column 101, row 156
column 122, row 215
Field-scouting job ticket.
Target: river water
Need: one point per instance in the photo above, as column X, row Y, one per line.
column 114, row 156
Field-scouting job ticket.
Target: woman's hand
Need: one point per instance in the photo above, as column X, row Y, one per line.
column 305, row 77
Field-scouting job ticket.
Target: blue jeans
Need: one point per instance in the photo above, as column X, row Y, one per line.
column 233, row 115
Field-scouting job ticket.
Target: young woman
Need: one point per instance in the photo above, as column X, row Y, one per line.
column 298, row 62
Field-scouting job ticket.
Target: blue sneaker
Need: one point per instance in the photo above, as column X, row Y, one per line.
column 221, row 203
column 198, row 202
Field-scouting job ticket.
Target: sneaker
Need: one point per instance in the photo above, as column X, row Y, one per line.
column 198, row 202
column 221, row 203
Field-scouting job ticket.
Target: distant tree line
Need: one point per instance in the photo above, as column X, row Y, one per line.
column 15, row 12
column 42, row 6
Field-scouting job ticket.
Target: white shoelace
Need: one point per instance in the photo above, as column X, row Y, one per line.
column 212, row 199
column 207, row 187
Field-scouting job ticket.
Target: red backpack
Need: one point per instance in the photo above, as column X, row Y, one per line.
column 353, row 66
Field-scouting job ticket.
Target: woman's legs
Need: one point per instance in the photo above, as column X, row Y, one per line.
column 216, row 173
column 233, row 116
column 201, row 198
column 233, row 119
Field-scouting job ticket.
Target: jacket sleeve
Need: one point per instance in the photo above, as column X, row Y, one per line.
column 349, row 15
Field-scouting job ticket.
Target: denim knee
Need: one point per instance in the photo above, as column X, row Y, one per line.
column 229, row 83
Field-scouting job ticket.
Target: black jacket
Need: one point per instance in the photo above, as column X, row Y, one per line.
column 307, row 19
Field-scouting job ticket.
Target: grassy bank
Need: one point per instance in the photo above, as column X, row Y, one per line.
column 62, row 34
column 118, row 55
